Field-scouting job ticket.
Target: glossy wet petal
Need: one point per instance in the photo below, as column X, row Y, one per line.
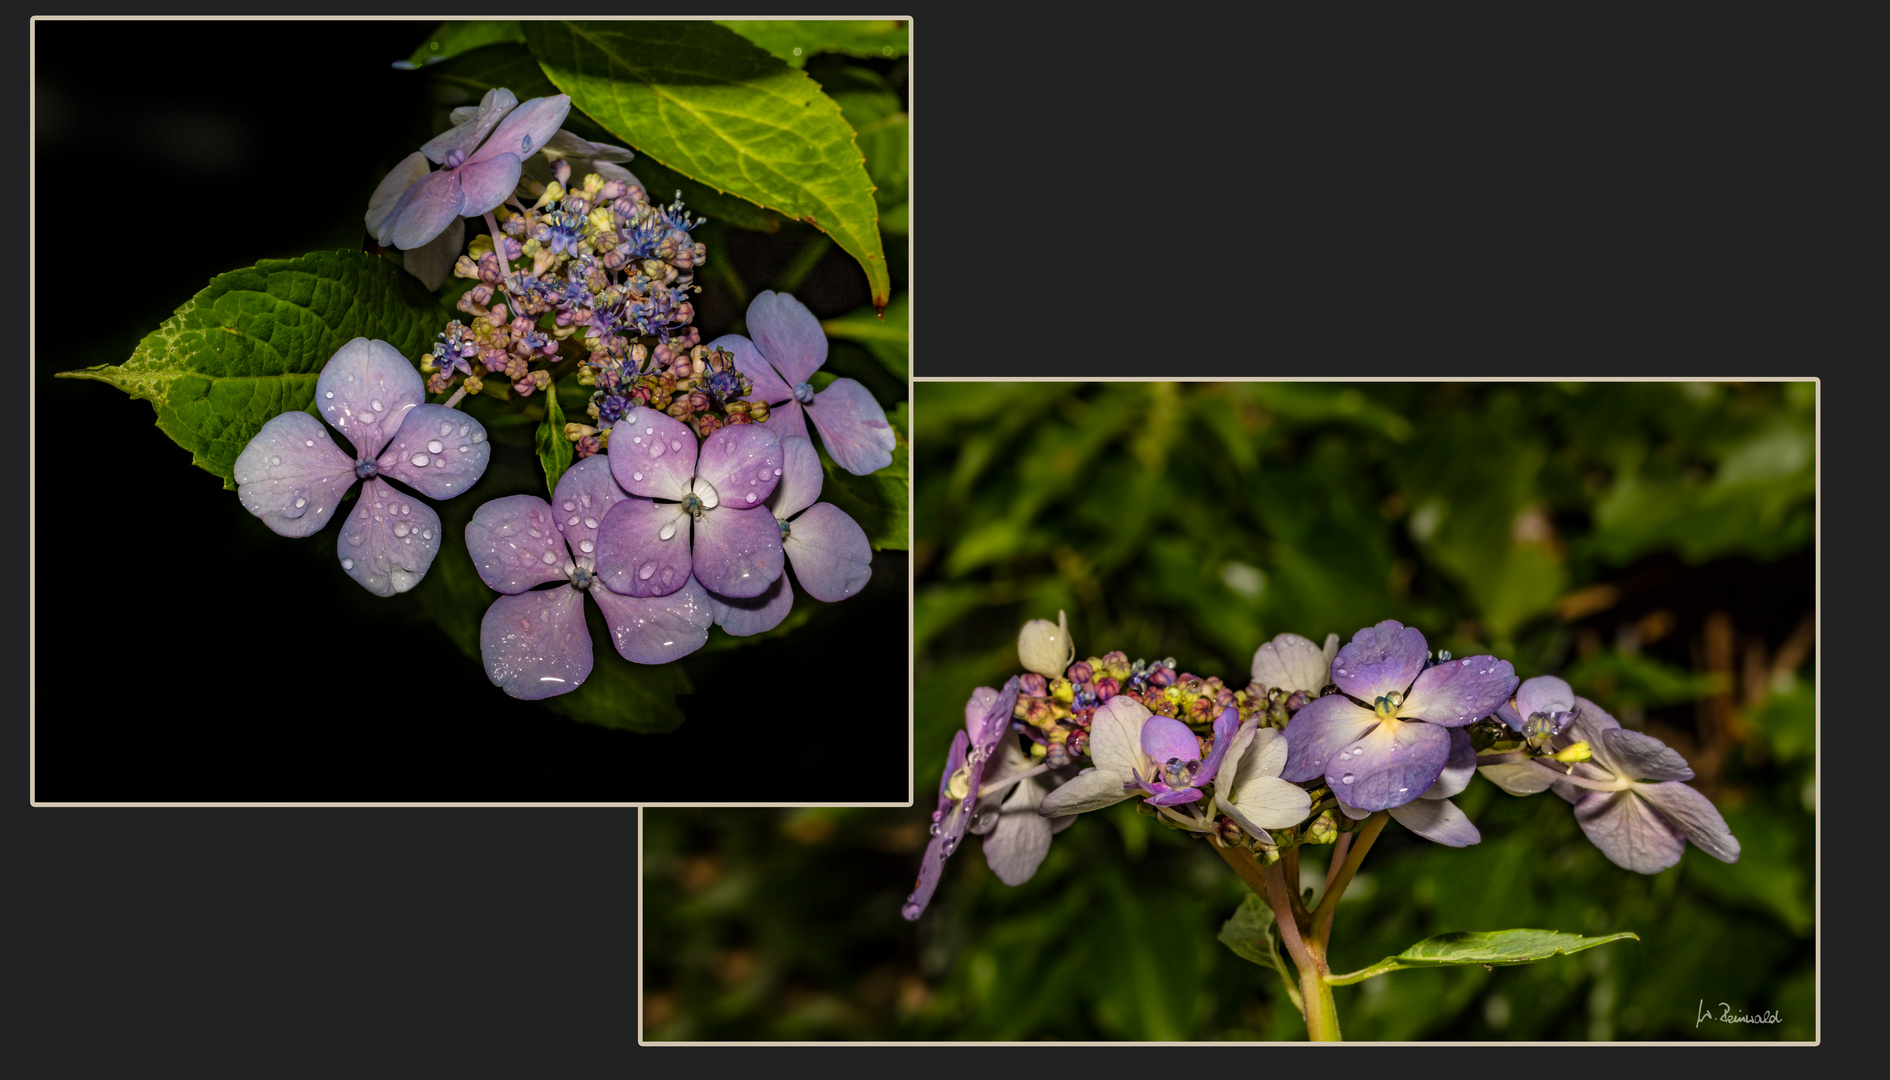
column 366, row 389
column 1631, row 833
column 1389, row 766
column 437, row 451
column 388, row 192
column 652, row 454
column 853, row 427
column 988, row 716
column 1164, row 738
column 484, row 184
column 800, row 478
column 754, row 614
column 535, row 644
column 1438, row 820
column 1544, row 694
column 1318, row 732
column 1379, row 660
column 291, row 475
column 586, row 492
column 1225, row 726
column 525, row 130
column 515, row 545
column 467, row 133
column 643, row 548
column 1459, row 692
column 931, row 865
column 657, row 629
column 830, row 553
column 788, row 335
column 1518, row 778
column 743, row 462
column 388, row 539
column 1293, row 663
column 737, row 552
column 424, row 212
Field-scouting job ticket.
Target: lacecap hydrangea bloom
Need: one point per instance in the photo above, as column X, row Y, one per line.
column 827, row 549
column 1383, row 740
column 787, row 347
column 292, row 476
column 533, row 640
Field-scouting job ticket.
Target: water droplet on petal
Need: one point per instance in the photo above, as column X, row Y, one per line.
column 574, row 520
column 751, row 496
column 478, row 436
column 548, row 558
column 590, row 523
column 636, row 476
column 649, row 431
column 436, row 446
column 463, row 449
column 346, row 564
column 1466, row 662
column 777, row 472
column 377, row 406
column 419, row 459
column 656, row 450
column 669, row 574
column 329, row 394
column 400, row 528
column 355, row 539
column 1346, row 779
column 426, row 534
column 586, row 546
column 1341, row 671
column 666, row 531
column 675, row 444
column 644, row 573
column 311, row 442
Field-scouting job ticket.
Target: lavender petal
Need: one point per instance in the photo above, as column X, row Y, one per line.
column 652, row 454
column 749, row 361
column 388, row 539
column 1459, row 692
column 388, row 192
column 437, row 451
column 830, row 553
column 643, row 548
column 1016, row 847
column 426, row 209
column 754, row 614
column 788, row 335
column 1634, row 756
column 1439, row 820
column 743, row 462
column 514, row 544
column 1390, row 766
column 1696, row 816
column 366, row 389
column 800, row 478
column 586, row 492
column 737, row 552
column 466, row 135
column 656, row 630
column 291, row 475
column 535, row 644
column 1631, row 833
column 1317, row 733
column 1380, row 660
column 853, row 427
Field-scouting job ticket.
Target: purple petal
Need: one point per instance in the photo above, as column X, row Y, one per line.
column 1164, row 737
column 1224, row 727
column 1391, row 765
column 737, row 552
column 535, row 644
column 788, row 335
column 525, row 130
column 643, row 548
column 652, row 454
column 1319, row 731
column 1115, row 737
column 1459, row 692
column 291, row 475
column 743, row 463
column 1590, row 721
column 565, row 144
column 656, row 630
column 1167, row 796
column 1696, row 816
column 1461, row 766
column 365, row 391
column 750, row 362
column 800, row 478
column 467, row 135
column 424, row 212
column 437, row 451
column 1379, row 660
column 1439, row 820
column 388, row 539
column 830, row 552
column 1634, row 756
column 754, row 614
column 515, row 545
column 1543, row 694
column 787, row 420
column 1016, row 847
column 931, row 864
column 988, row 715
column 586, row 492
column 853, row 427
column 387, row 193
column 484, row 184
column 1632, row 834
column 432, row 261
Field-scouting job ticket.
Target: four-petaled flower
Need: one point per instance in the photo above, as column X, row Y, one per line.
column 292, row 476
column 1136, row 751
column 1389, row 752
column 534, row 641
column 1432, row 815
column 1249, row 788
column 987, row 718
column 713, row 520
column 827, row 549
column 788, row 346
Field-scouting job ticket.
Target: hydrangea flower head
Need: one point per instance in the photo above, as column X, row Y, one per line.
column 699, row 510
column 292, row 476
column 480, row 162
column 534, row 641
column 1384, row 739
column 788, row 346
column 987, row 718
column 1432, row 815
column 827, row 549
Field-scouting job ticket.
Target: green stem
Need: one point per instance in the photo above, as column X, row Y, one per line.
column 1321, row 920
column 1322, row 1016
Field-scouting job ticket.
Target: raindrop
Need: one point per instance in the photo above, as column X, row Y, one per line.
column 590, row 523
column 311, row 442
column 400, row 528
column 1346, row 779
column 666, row 531
column 648, row 569
column 426, row 534
column 329, row 394
column 419, row 459
column 463, row 449
column 649, row 431
column 656, row 450
column 446, row 428
column 346, row 564
column 636, row 476
column 1341, row 671
column 377, row 406
column 669, row 573
column 439, row 463
column 462, row 433
column 1358, row 749
column 355, row 539
column 275, row 461
column 574, row 519
column 1466, row 662
column 478, row 436
column 569, row 505
column 675, row 445
column 548, row 558
column 436, row 446
column 777, row 472
column 585, row 546
column 751, row 496
column 300, row 503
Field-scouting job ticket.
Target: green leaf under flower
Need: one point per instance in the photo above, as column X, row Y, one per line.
column 458, row 36
column 794, row 41
column 1491, row 948
column 1249, row 932
column 252, row 343
column 554, row 450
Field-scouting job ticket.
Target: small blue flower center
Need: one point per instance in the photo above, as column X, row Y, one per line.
column 784, row 527
column 692, row 505
column 365, row 469
column 804, row 393
column 454, row 158
column 581, row 578
column 1179, row 773
column 1387, row 707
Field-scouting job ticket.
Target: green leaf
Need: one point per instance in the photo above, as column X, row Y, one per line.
column 700, row 99
column 879, row 501
column 554, row 450
column 1249, row 932
column 1491, row 948
column 251, row 345
column 515, row 68
column 869, row 103
column 455, row 37
column 886, row 338
column 795, row 40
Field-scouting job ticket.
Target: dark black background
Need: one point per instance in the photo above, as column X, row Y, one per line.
column 192, row 655
column 1391, row 193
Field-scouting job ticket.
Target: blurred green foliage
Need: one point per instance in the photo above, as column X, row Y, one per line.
column 1649, row 541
